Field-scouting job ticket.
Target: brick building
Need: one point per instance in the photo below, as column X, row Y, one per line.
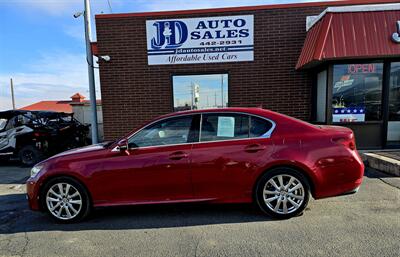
column 303, row 60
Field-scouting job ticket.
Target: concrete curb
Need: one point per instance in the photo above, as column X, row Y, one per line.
column 383, row 163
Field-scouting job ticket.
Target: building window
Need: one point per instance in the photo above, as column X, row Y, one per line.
column 393, row 133
column 394, row 92
column 357, row 92
column 193, row 92
column 321, row 96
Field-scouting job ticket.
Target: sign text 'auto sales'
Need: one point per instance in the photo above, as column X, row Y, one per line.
column 200, row 40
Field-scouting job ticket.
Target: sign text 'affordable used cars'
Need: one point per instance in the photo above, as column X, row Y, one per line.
column 200, row 40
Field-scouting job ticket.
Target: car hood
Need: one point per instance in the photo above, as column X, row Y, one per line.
column 80, row 150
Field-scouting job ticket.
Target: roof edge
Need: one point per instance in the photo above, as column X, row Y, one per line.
column 312, row 20
column 245, row 8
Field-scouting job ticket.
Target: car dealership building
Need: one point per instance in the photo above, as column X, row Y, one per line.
column 327, row 62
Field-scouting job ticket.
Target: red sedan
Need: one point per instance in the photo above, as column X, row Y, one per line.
column 231, row 155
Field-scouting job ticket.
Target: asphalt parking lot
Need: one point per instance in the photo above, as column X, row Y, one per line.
column 364, row 224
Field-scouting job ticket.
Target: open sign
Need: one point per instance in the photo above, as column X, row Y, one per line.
column 361, row 68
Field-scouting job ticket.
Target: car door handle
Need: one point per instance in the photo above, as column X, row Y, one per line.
column 178, row 155
column 254, row 148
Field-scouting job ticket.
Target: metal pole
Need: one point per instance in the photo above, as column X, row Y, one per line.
column 222, row 90
column 192, row 89
column 92, row 88
column 12, row 93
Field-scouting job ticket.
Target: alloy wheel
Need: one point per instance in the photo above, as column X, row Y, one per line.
column 283, row 194
column 64, row 201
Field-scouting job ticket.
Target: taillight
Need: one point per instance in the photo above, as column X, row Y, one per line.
column 346, row 141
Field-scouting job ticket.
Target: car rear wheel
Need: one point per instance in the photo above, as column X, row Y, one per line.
column 66, row 200
column 282, row 193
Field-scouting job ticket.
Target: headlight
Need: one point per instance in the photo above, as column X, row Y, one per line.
column 35, row 170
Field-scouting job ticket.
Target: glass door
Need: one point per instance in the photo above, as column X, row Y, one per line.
column 393, row 131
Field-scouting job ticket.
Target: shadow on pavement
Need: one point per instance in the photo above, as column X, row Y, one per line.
column 12, row 172
column 372, row 173
column 16, row 217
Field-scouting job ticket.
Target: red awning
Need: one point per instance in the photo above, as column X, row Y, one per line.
column 345, row 35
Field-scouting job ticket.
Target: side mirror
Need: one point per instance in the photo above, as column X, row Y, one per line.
column 123, row 145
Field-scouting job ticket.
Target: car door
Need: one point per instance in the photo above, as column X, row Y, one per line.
column 156, row 166
column 231, row 149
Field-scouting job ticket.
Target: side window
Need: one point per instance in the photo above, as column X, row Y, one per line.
column 224, row 127
column 166, row 132
column 11, row 123
column 258, row 126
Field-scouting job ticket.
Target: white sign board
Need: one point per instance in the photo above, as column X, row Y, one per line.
column 226, row 127
column 200, row 40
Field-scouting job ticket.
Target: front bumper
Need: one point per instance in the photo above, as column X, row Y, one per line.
column 32, row 194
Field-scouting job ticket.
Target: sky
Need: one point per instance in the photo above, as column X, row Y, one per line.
column 42, row 46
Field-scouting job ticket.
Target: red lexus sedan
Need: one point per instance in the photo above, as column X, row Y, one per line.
column 231, row 155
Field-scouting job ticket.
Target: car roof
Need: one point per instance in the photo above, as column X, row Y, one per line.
column 278, row 118
column 248, row 110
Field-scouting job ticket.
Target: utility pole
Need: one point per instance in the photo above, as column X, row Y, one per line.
column 89, row 58
column 192, row 91
column 12, row 93
column 222, row 90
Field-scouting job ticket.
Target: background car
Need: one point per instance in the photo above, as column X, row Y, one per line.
column 230, row 155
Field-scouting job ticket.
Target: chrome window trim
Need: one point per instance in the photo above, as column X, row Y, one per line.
column 268, row 134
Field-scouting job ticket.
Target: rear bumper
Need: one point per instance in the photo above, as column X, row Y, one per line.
column 355, row 190
column 341, row 178
column 340, row 189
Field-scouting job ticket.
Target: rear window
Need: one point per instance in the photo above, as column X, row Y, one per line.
column 259, row 127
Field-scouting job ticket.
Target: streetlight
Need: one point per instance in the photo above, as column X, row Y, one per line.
column 89, row 59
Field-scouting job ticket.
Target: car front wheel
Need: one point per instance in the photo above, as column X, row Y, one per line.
column 282, row 193
column 66, row 200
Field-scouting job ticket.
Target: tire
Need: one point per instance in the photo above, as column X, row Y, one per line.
column 29, row 155
column 271, row 199
column 64, row 206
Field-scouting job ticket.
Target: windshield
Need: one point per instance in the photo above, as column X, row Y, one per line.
column 3, row 123
column 107, row 143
